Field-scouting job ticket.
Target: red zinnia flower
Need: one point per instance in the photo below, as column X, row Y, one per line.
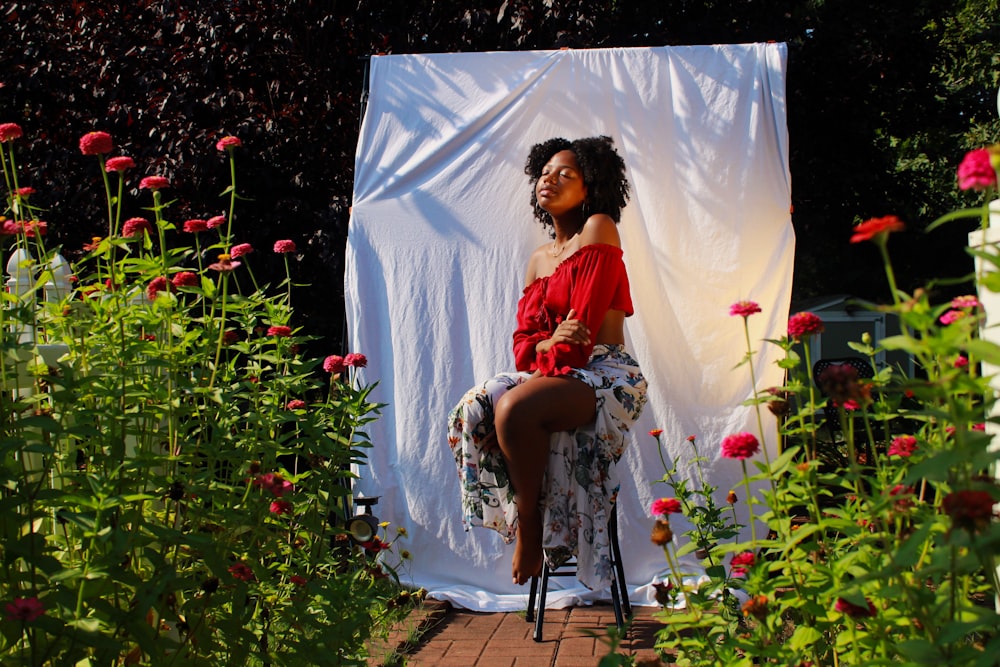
column 281, row 507
column 741, row 562
column 241, row 571
column 968, row 509
column 135, row 226
column 756, row 607
column 279, row 330
column 853, row 610
column 740, row 446
column 356, row 359
column 9, row 131
column 976, row 171
column 802, row 324
column 186, row 279
column 195, row 226
column 216, row 221
column 33, row 228
column 903, row 445
column 241, row 249
column 665, row 506
column 154, row 183
column 297, row 580
column 877, row 228
column 156, row 285
column 25, row 192
column 842, row 385
column 96, row 143
column 334, row 364
column 296, row 404
column 656, row 432
column 903, row 495
column 226, row 143
column 744, row 308
column 274, row 483
column 25, row 610
column 230, row 337
column 120, row 164
column 284, row 246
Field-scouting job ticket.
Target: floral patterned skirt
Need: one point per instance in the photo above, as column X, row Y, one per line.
column 580, row 482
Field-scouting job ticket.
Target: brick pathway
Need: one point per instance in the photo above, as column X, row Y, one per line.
column 574, row 637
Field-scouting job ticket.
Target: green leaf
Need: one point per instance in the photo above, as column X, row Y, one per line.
column 804, row 637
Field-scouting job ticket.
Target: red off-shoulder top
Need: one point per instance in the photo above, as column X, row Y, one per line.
column 591, row 281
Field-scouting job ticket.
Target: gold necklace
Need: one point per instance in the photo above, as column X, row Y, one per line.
column 554, row 253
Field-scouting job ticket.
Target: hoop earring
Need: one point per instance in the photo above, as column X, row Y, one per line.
column 585, row 210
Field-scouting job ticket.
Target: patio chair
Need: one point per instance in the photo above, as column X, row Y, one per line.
column 831, row 414
column 619, row 591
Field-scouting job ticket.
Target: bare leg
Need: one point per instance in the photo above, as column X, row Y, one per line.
column 526, row 417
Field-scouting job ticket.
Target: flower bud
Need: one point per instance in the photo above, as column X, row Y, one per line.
column 731, row 498
column 661, row 534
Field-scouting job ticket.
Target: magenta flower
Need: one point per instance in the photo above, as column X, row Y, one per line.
column 281, row 507
column 241, row 249
column 195, row 226
column 228, row 143
column 296, row 404
column 356, row 359
column 280, row 331
column 274, row 483
column 156, row 285
column 25, row 192
column 903, row 446
column 25, row 610
column 186, row 279
column 10, row 228
column 135, row 226
column 853, row 610
column 334, row 364
column 154, row 183
column 665, row 506
column 10, row 131
column 740, row 446
column 225, row 264
column 96, row 143
column 119, row 164
column 976, row 171
column 216, row 221
column 241, row 571
column 744, row 308
column 951, row 316
column 803, row 324
column 966, row 301
column 284, row 247
column 741, row 562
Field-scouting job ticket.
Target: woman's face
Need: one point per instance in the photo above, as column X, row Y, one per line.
column 560, row 188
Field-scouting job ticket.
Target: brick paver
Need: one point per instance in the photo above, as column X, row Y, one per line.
column 575, row 637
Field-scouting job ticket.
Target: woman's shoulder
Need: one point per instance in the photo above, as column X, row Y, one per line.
column 600, row 228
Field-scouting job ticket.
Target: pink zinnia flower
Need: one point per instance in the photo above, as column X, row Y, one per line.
column 226, row 143
column 9, row 131
column 216, row 221
column 225, row 264
column 296, row 404
column 356, row 359
column 274, row 483
column 10, row 228
column 135, row 226
column 195, row 226
column 156, row 285
column 740, row 446
column 665, row 506
column 853, row 610
column 967, row 301
column 903, row 495
column 744, row 308
column 961, row 361
column 186, row 279
column 154, row 183
column 241, row 249
column 334, row 364
column 802, row 324
column 877, row 228
column 976, row 171
column 119, row 164
column 741, row 562
column 285, row 246
column 903, row 446
column 25, row 192
column 241, row 571
column 951, row 316
column 281, row 507
column 96, row 143
column 25, row 610
column 279, row 330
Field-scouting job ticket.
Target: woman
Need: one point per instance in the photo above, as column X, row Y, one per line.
column 573, row 375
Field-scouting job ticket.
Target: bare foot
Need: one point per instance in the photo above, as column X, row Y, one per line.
column 527, row 562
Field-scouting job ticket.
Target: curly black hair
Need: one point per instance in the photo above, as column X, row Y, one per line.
column 603, row 171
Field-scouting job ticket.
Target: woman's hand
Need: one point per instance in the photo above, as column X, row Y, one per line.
column 570, row 330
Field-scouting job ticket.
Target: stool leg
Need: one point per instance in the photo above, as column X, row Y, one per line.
column 540, row 618
column 530, row 614
column 616, row 555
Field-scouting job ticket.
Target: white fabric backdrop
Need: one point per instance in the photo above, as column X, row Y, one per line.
column 441, row 229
